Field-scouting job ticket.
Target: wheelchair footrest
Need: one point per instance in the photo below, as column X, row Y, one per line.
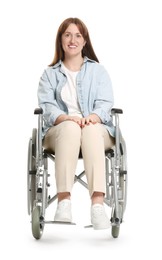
column 58, row 222
column 88, row 226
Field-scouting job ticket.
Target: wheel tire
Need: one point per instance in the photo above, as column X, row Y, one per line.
column 34, row 142
column 31, row 171
column 37, row 227
column 123, row 177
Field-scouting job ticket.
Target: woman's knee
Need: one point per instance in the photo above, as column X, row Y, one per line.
column 91, row 131
column 97, row 133
column 65, row 131
column 70, row 128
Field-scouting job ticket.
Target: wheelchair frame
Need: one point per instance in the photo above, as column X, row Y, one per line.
column 37, row 179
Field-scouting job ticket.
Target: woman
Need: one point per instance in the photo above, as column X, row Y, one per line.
column 76, row 96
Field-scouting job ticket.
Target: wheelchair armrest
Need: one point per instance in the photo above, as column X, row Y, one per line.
column 38, row 111
column 116, row 111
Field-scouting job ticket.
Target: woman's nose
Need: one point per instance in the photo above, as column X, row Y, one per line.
column 72, row 38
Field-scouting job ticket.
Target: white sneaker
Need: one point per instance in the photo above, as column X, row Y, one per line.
column 63, row 211
column 99, row 218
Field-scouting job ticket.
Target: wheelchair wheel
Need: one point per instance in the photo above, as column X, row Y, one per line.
column 31, row 171
column 123, row 180
column 123, row 196
column 37, row 227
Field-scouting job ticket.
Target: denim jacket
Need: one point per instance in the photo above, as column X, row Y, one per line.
column 94, row 92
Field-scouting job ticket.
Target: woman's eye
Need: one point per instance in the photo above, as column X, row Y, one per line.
column 67, row 35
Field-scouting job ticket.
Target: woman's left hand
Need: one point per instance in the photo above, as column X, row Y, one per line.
column 92, row 118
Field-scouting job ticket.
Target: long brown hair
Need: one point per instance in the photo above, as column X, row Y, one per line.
column 87, row 49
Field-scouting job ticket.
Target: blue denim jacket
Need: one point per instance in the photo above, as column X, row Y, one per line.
column 94, row 91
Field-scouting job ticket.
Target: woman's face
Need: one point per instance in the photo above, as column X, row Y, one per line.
column 72, row 41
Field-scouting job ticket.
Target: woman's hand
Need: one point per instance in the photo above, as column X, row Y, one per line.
column 76, row 119
column 63, row 118
column 82, row 122
column 91, row 119
column 85, row 121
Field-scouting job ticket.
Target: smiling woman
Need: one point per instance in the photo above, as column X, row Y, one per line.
column 76, row 97
column 67, row 30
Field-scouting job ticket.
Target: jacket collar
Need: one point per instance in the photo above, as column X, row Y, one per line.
column 59, row 63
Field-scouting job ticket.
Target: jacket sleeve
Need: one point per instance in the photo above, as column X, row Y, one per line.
column 47, row 100
column 104, row 99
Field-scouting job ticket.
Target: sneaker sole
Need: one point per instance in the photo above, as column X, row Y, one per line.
column 100, row 226
column 63, row 220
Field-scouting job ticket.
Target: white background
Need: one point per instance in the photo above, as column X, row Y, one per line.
column 126, row 36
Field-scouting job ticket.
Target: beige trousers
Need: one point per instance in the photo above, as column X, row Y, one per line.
column 65, row 140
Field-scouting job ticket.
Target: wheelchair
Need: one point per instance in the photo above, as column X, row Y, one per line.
column 38, row 185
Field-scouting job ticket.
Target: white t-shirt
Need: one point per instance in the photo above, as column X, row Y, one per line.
column 69, row 94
